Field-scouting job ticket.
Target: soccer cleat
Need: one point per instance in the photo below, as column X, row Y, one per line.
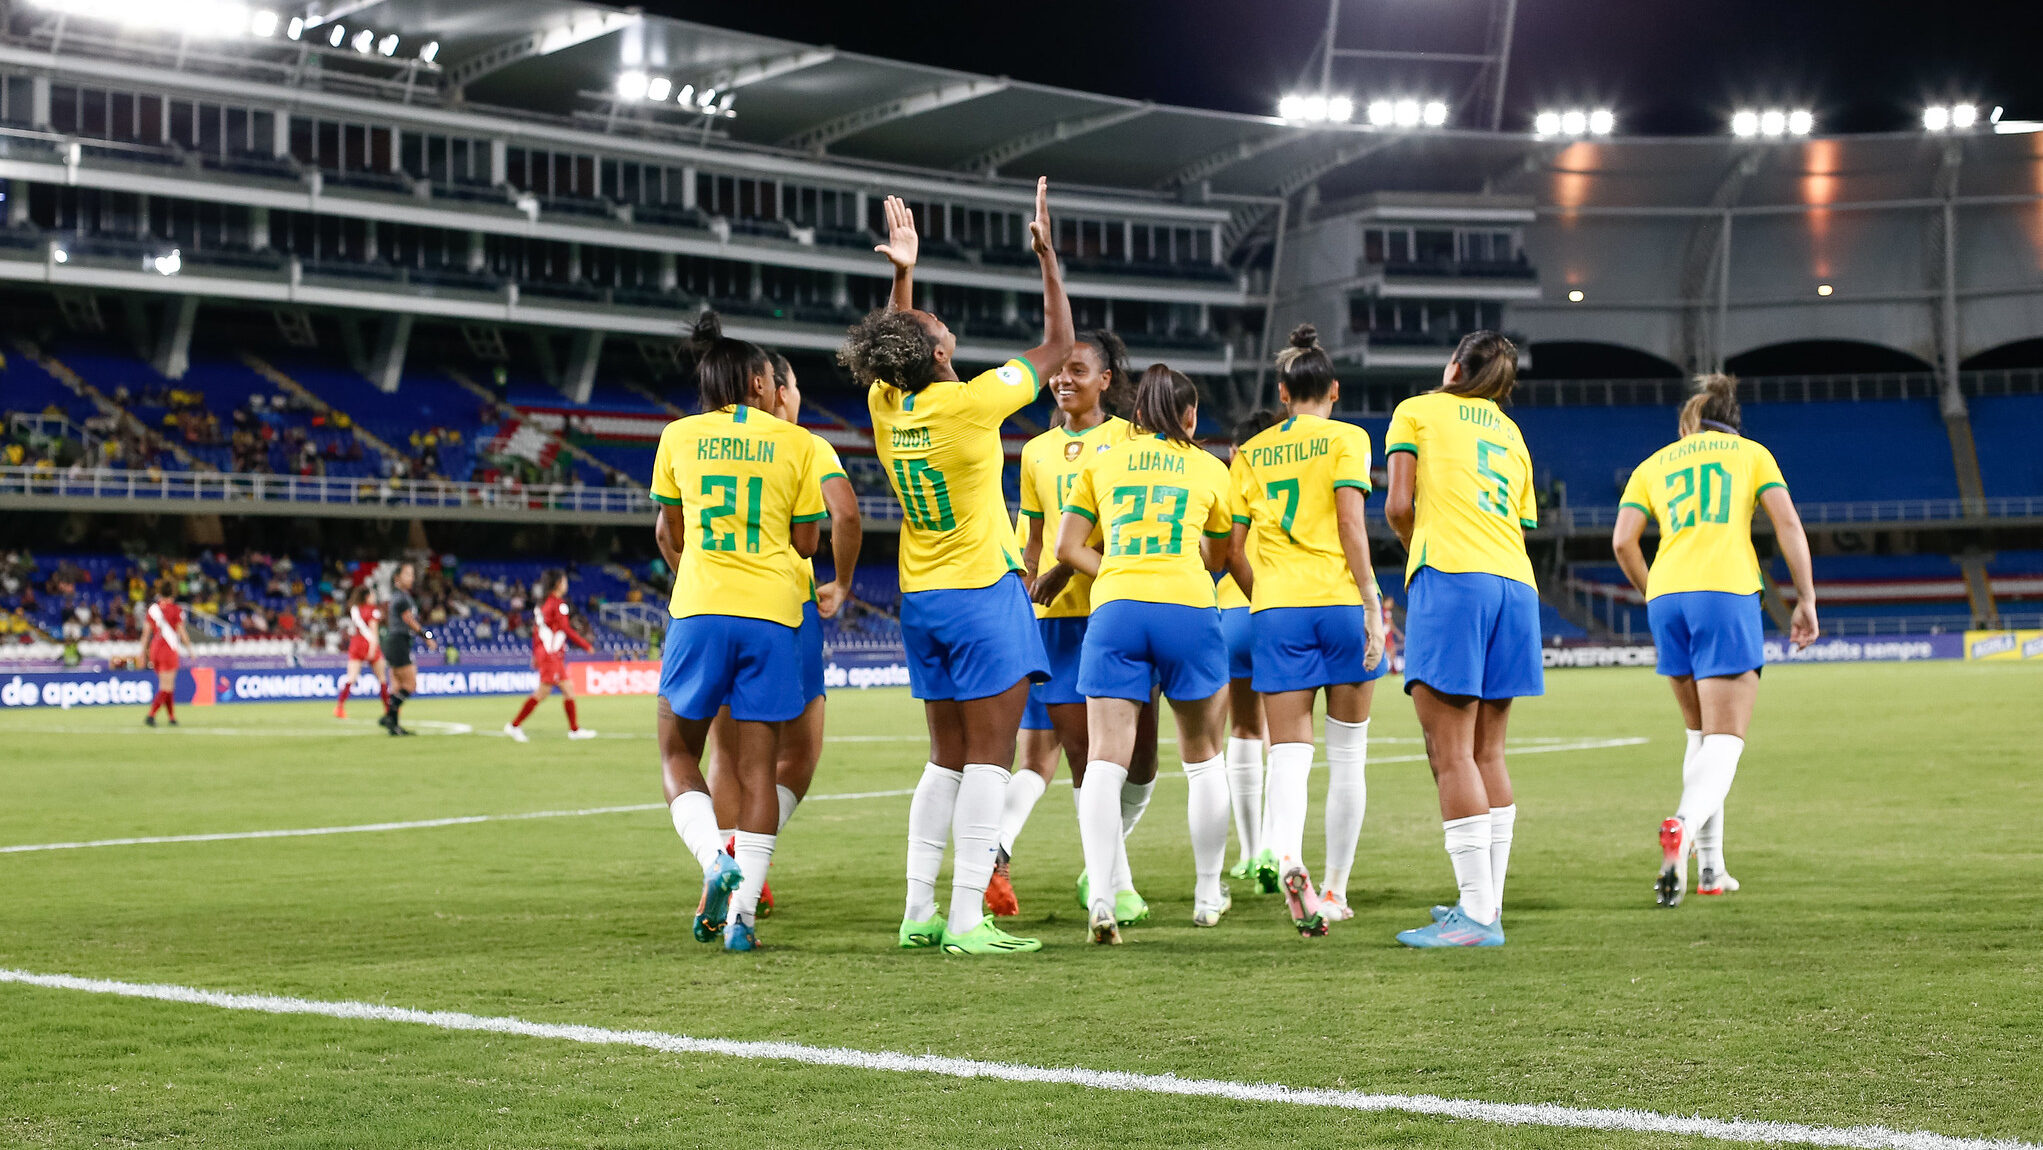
column 1333, row 906
column 517, row 733
column 717, row 885
column 1457, row 929
column 766, row 898
column 394, row 729
column 340, row 712
column 173, row 723
column 1268, row 880
column 987, row 938
column 149, row 721
column 1303, row 902
column 1673, row 863
column 1208, row 913
column 1084, row 891
column 387, row 721
column 1441, row 911
column 581, row 733
column 1712, row 882
column 1103, row 930
column 1243, row 870
column 922, row 935
column 739, row 936
column 1130, row 908
column 1000, row 898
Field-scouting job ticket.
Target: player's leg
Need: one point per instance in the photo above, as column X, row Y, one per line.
column 1136, row 791
column 347, row 687
column 1726, row 702
column 726, row 784
column 990, row 725
column 1493, row 717
column 1036, row 754
column 567, row 703
column 930, row 813
column 516, row 727
column 694, row 816
column 1245, row 772
column 1449, row 723
column 754, row 753
column 1291, row 754
column 1348, row 706
column 1202, row 727
column 1110, row 751
column 1690, row 705
column 382, row 669
column 166, row 693
column 403, row 681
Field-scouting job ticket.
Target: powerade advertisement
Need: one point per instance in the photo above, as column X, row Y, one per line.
column 1840, row 649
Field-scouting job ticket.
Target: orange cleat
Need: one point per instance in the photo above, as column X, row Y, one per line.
column 1000, row 899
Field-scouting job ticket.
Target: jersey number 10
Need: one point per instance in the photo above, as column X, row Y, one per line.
column 925, row 496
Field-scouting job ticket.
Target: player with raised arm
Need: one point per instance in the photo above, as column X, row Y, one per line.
column 1461, row 501
column 970, row 633
column 167, row 643
column 401, row 628
column 1148, row 521
column 365, row 649
column 1248, row 727
column 1299, row 500
column 553, row 628
column 741, row 504
column 1702, row 600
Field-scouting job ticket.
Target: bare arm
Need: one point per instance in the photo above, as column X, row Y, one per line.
column 806, row 537
column 1624, row 543
column 847, row 535
column 1216, row 553
column 1237, row 560
column 1058, row 333
column 1794, row 543
column 1351, row 514
column 1400, row 506
column 667, row 538
column 1073, row 550
column 902, row 248
column 1048, row 583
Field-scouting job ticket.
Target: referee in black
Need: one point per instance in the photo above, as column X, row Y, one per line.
column 400, row 627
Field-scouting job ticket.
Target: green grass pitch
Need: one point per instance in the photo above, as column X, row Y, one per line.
column 1882, row 964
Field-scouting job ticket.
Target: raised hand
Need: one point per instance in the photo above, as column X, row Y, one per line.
column 903, row 244
column 1041, row 238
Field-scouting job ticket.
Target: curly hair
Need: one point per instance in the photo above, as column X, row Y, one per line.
column 890, row 347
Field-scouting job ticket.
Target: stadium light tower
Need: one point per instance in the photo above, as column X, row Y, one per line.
column 1481, row 74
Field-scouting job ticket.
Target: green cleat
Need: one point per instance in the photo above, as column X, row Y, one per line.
column 987, row 938
column 1130, row 908
column 1267, row 878
column 921, row 935
column 1084, row 892
column 1243, row 870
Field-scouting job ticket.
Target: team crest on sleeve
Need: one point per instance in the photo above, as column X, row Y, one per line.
column 1073, row 450
column 1009, row 374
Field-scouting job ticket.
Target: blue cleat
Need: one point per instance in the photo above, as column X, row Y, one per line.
column 1440, row 912
column 717, row 885
column 1457, row 929
column 739, row 936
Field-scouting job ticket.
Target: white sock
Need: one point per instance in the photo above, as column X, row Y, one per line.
column 755, row 854
column 1709, row 838
column 1134, row 800
column 788, row 802
column 1708, row 779
column 1023, row 789
column 1502, row 819
column 1245, row 792
column 975, row 831
column 1347, row 799
column 1099, row 824
column 726, row 834
column 1468, row 848
column 1207, row 811
column 929, row 830
column 695, row 821
column 1285, row 802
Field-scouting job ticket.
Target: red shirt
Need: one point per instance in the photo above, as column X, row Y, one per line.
column 167, row 617
column 551, row 630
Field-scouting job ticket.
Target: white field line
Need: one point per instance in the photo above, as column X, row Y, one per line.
column 467, row 820
column 1498, row 1113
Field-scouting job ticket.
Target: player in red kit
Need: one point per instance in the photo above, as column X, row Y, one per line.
column 165, row 641
column 552, row 631
column 364, row 648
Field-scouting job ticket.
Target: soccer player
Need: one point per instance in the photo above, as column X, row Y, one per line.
column 1153, row 622
column 1299, row 491
column 401, row 627
column 801, row 741
column 364, row 648
column 1461, row 501
column 740, row 506
column 553, row 628
column 1092, row 386
column 971, row 635
column 1702, row 600
column 1037, row 751
column 165, row 639
column 1246, row 735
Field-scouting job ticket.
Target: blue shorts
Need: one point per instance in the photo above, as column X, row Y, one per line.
column 749, row 665
column 1305, row 648
column 1474, row 634
column 1036, row 717
column 810, row 637
column 1235, row 628
column 1132, row 646
column 1063, row 639
column 1707, row 634
column 971, row 644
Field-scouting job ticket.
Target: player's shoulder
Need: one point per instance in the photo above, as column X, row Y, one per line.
column 1016, row 372
column 1263, row 438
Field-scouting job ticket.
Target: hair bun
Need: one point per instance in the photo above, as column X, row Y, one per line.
column 1305, row 335
column 1721, row 384
column 709, row 328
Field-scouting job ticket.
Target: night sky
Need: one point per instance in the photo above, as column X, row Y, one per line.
column 1666, row 66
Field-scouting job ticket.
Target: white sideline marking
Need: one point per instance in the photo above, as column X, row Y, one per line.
column 1500, row 1113
column 466, row 820
column 354, row 728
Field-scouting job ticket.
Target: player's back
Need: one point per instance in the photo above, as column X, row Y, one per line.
column 1703, row 489
column 1285, row 479
column 1473, row 485
column 942, row 452
column 1153, row 498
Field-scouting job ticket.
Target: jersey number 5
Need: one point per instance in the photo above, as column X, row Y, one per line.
column 1497, row 499
column 712, row 540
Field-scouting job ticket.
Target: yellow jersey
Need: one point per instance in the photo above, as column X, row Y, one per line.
column 742, row 479
column 828, row 467
column 1151, row 498
column 1702, row 489
column 1473, row 487
column 1050, row 466
column 1283, row 483
column 941, row 450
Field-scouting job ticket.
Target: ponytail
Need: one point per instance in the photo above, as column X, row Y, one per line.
column 1489, row 367
column 1304, row 368
column 1714, row 405
column 1161, row 401
column 725, row 367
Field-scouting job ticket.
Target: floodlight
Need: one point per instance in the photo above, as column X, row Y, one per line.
column 263, row 23
column 709, row 97
column 1381, row 113
column 1936, row 118
column 1602, row 122
column 61, row 256
column 431, row 50
column 1340, row 109
column 659, row 88
column 1406, row 113
column 1316, row 108
column 723, row 106
column 168, row 265
column 632, row 85
column 1745, row 123
column 388, row 45
column 1546, row 123
column 338, row 34
column 687, row 94
column 1824, row 289
column 1291, row 108
column 1574, row 122
column 1435, row 114
column 1964, row 115
column 1801, row 122
column 296, row 29
column 1773, row 122
column 364, row 41
column 1575, row 295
